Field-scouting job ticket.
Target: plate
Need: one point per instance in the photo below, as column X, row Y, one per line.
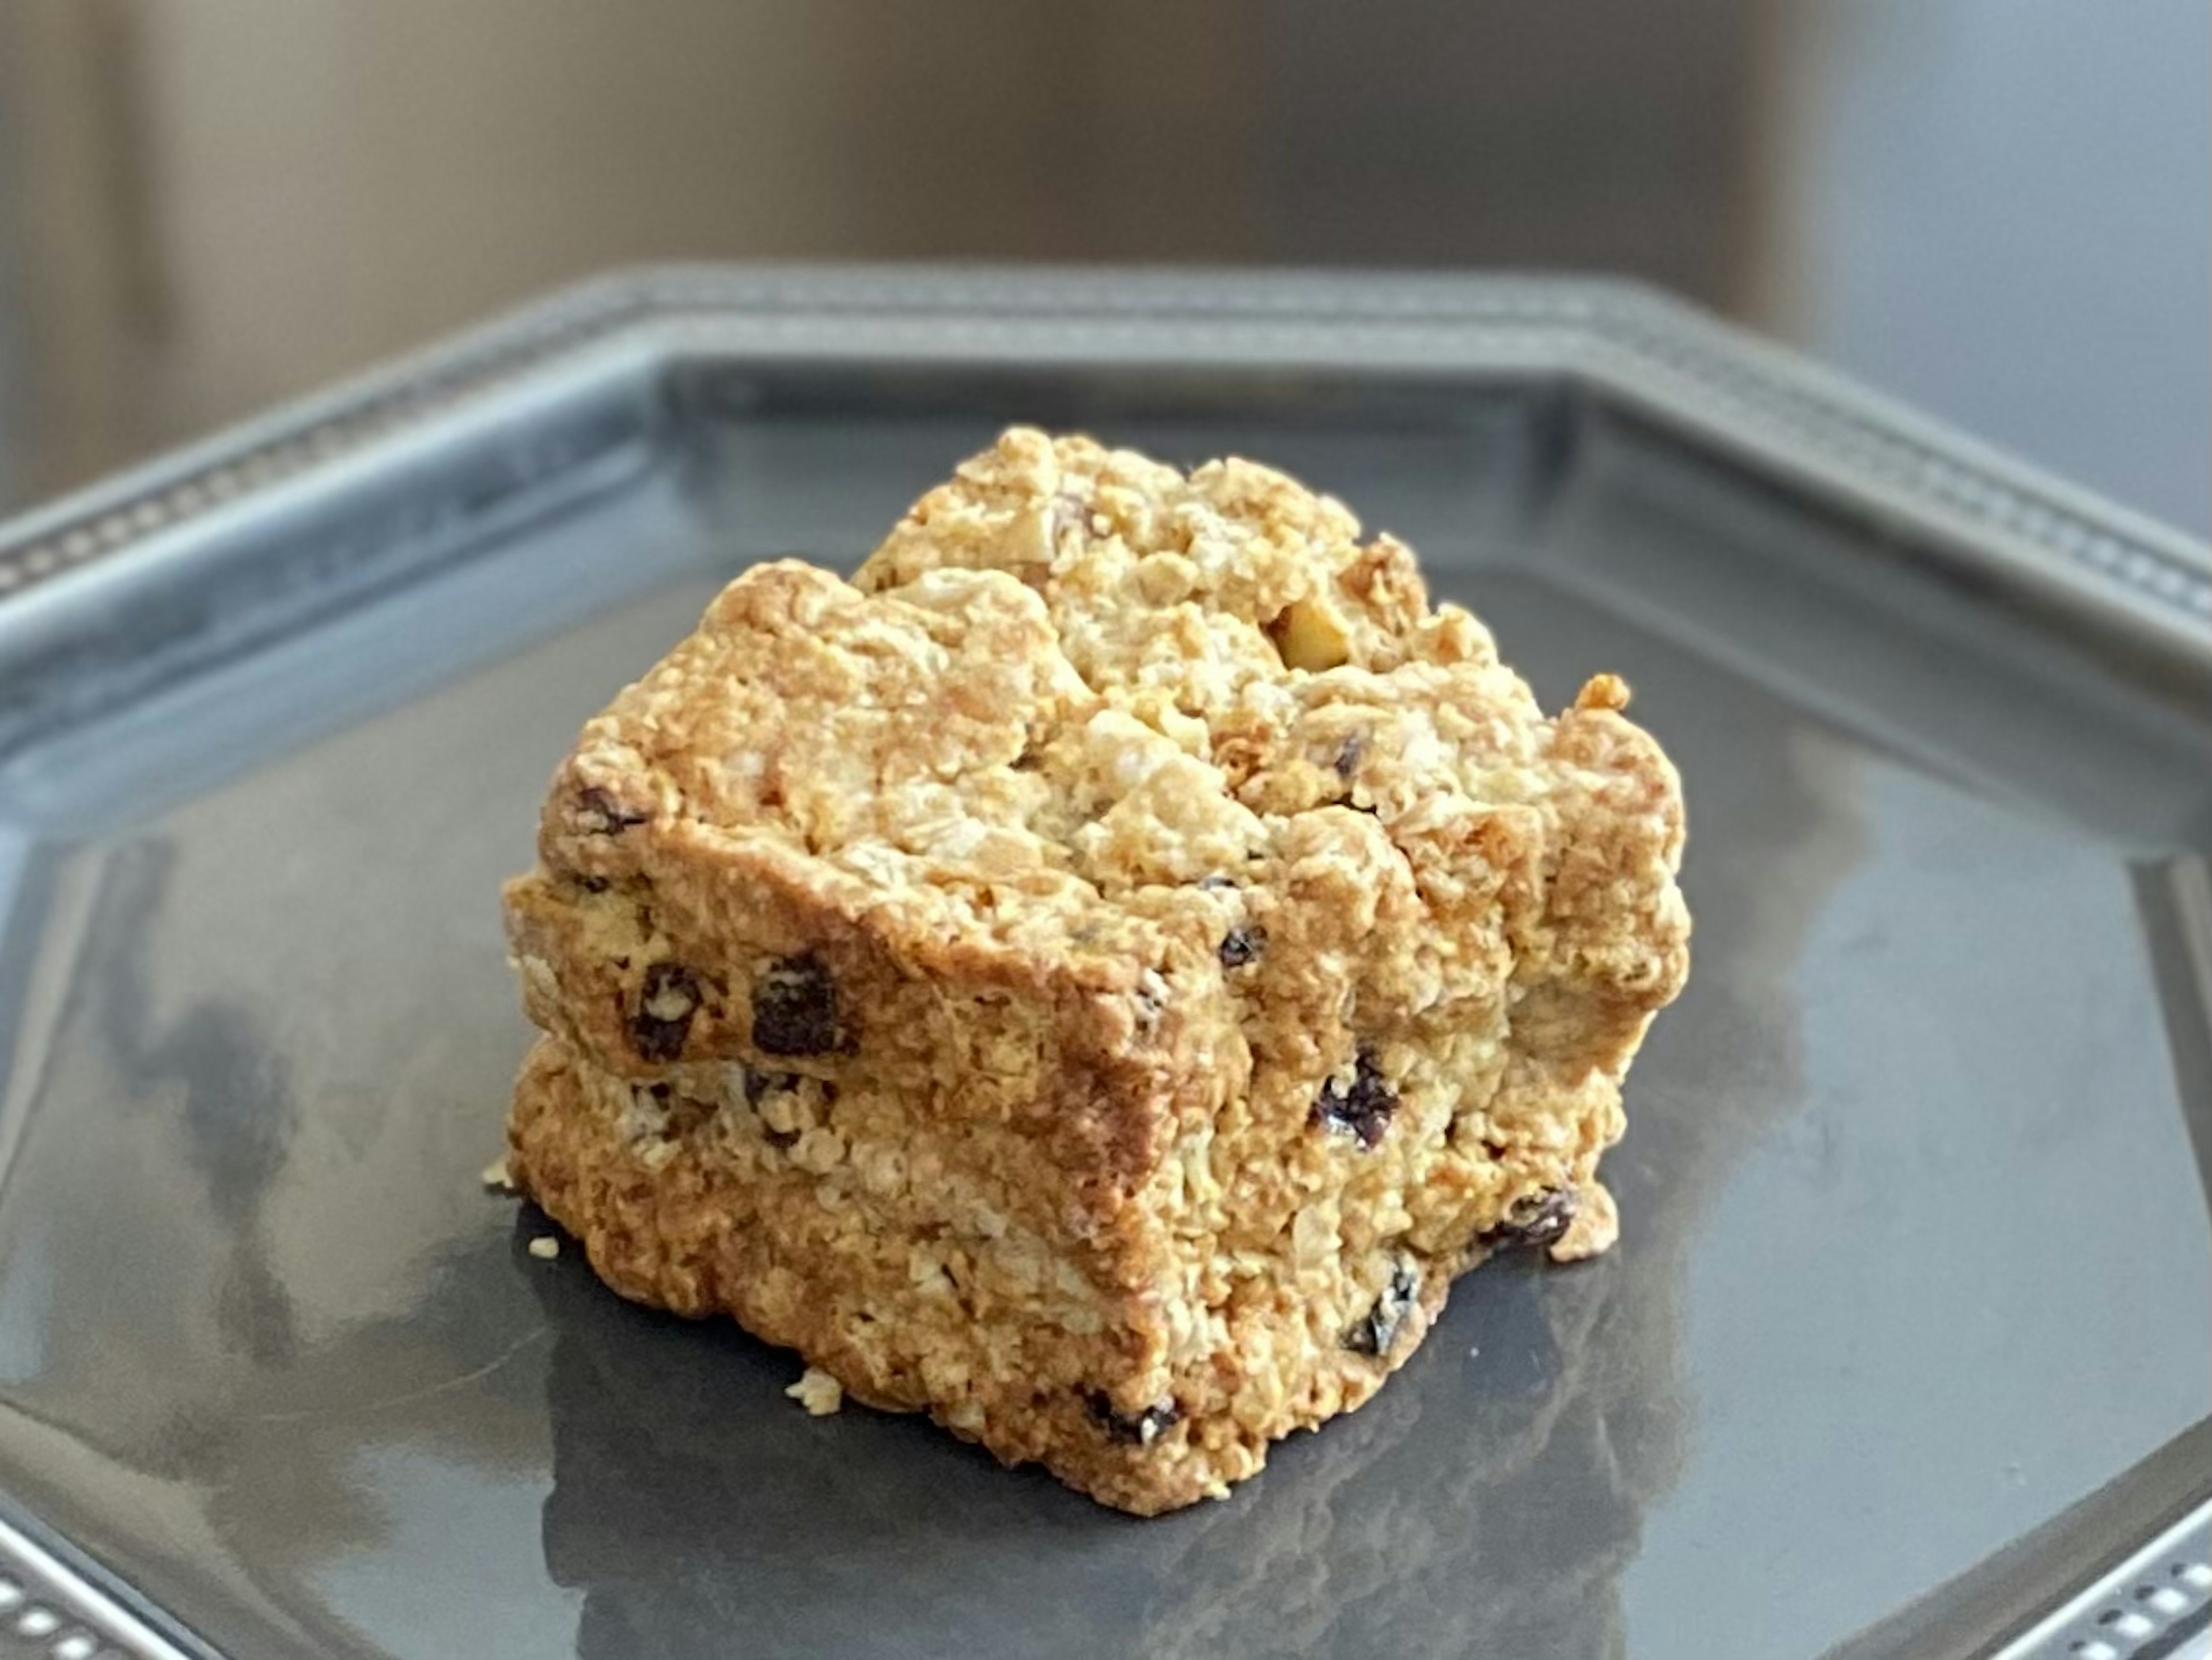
column 1903, row 1349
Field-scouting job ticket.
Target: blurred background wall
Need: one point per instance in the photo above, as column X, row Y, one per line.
column 2000, row 208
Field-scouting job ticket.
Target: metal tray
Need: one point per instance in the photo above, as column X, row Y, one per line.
column 1904, row 1348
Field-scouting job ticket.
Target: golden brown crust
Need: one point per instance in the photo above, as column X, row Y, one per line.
column 1129, row 895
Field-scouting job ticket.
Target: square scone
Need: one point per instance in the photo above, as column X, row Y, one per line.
column 1099, row 975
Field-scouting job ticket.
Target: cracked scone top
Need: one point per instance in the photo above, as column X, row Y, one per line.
column 1097, row 977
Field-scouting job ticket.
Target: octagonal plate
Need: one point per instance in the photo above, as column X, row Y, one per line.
column 1904, row 1348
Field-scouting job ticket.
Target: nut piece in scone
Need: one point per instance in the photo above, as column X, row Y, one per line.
column 1097, row 977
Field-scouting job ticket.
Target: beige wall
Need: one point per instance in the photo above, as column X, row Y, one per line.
column 222, row 201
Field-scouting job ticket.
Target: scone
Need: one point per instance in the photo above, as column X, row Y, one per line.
column 1097, row 977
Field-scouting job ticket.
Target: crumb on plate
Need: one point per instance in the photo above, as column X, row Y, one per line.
column 818, row 1392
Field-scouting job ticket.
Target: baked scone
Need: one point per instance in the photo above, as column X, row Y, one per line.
column 1097, row 977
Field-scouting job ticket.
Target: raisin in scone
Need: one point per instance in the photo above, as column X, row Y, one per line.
column 1097, row 977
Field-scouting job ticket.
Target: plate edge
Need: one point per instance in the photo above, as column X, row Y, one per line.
column 1762, row 400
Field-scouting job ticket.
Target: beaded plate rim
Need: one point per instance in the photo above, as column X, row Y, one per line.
column 1625, row 340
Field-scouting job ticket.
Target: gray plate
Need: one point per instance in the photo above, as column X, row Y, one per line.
column 1904, row 1348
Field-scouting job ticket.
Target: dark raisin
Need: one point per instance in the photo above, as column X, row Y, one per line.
column 1366, row 1108
column 1534, row 1219
column 1377, row 1331
column 666, row 1002
column 1138, row 1429
column 1349, row 754
column 1242, row 945
column 759, row 1085
column 597, row 813
column 592, row 884
column 795, row 1008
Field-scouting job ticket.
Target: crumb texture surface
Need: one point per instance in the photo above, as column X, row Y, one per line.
column 1097, row 977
